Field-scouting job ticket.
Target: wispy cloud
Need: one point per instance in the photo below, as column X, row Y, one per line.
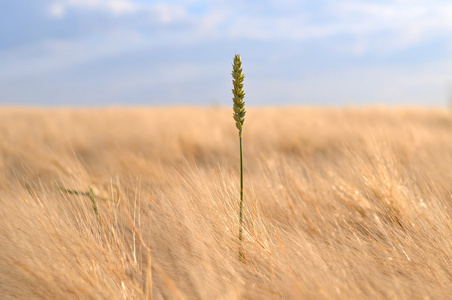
column 162, row 12
column 394, row 25
column 115, row 7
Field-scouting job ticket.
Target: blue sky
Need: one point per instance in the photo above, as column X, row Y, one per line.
column 314, row 52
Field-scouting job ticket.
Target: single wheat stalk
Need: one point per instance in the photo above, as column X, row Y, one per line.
column 239, row 117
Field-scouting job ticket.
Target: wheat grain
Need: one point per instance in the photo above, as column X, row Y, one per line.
column 239, row 94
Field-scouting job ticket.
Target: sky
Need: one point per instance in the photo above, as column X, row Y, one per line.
column 305, row 52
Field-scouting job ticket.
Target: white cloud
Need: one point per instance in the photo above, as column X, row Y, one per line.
column 396, row 25
column 53, row 55
column 57, row 10
column 369, row 26
column 162, row 12
column 119, row 7
column 386, row 85
column 168, row 13
column 209, row 23
column 115, row 7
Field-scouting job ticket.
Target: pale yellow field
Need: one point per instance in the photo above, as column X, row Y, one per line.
column 339, row 204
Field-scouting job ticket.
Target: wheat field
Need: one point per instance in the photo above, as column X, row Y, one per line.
column 338, row 203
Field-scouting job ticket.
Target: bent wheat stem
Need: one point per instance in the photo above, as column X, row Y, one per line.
column 92, row 196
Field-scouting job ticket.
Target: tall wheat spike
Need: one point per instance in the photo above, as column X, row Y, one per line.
column 239, row 117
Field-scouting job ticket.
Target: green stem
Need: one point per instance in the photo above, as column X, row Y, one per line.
column 93, row 199
column 241, row 198
column 88, row 194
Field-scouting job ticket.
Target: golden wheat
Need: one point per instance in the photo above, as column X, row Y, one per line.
column 341, row 204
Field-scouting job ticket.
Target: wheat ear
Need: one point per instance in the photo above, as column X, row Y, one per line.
column 239, row 117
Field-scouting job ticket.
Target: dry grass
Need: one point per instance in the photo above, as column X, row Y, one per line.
column 339, row 204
